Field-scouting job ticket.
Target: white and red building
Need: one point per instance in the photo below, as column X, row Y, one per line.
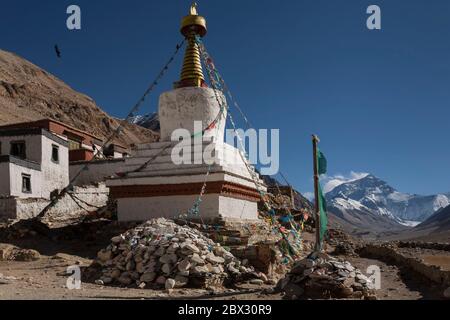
column 36, row 160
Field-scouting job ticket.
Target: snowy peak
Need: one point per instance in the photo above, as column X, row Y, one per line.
column 149, row 121
column 375, row 195
column 358, row 189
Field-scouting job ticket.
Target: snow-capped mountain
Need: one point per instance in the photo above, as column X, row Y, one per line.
column 149, row 121
column 371, row 196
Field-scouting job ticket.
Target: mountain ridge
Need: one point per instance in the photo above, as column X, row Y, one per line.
column 29, row 93
column 370, row 204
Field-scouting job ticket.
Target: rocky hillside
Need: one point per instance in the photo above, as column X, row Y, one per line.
column 29, row 93
column 440, row 221
column 435, row 228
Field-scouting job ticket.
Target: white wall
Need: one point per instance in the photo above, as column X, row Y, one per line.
column 97, row 171
column 15, row 180
column 54, row 175
column 38, row 148
column 213, row 206
column 179, row 108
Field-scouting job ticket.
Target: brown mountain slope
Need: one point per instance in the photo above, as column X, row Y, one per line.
column 436, row 228
column 29, row 93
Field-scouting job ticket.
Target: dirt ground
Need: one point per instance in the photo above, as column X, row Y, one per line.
column 46, row 278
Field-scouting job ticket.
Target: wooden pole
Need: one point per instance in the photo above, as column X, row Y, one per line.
column 315, row 141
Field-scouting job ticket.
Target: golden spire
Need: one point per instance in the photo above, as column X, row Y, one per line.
column 191, row 26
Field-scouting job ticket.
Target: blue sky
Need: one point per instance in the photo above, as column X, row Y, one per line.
column 379, row 100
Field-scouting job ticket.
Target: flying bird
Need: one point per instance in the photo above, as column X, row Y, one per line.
column 58, row 52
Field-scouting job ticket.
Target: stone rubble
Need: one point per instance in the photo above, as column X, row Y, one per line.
column 162, row 254
column 325, row 277
column 12, row 253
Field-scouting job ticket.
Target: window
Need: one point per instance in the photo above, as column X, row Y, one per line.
column 26, row 183
column 55, row 153
column 18, row 149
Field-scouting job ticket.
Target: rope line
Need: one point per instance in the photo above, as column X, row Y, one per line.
column 221, row 83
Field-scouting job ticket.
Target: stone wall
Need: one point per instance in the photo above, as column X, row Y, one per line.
column 390, row 254
column 91, row 197
column 425, row 245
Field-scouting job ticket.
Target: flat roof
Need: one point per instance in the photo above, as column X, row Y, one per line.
column 47, row 120
column 32, row 131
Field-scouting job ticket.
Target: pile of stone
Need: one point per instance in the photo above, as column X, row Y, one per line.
column 9, row 252
column 320, row 276
column 163, row 254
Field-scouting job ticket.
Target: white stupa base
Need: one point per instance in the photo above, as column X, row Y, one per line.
column 164, row 189
column 167, row 188
column 212, row 207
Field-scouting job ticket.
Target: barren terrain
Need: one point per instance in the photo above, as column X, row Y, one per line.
column 77, row 245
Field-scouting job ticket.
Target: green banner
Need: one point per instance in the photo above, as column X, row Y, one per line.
column 322, row 168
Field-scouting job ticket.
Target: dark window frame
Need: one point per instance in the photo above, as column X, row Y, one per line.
column 55, row 147
column 26, row 183
column 18, row 142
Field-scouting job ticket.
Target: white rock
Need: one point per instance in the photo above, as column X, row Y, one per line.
column 216, row 270
column 190, row 247
column 197, row 260
column 142, row 285
column 170, row 284
column 257, row 281
column 184, row 265
column 232, row 269
column 214, row 260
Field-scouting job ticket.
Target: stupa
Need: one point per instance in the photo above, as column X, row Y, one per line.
column 162, row 188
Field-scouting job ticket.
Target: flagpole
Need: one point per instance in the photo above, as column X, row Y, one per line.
column 315, row 141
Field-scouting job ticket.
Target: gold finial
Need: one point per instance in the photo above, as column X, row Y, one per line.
column 192, row 26
column 194, row 9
